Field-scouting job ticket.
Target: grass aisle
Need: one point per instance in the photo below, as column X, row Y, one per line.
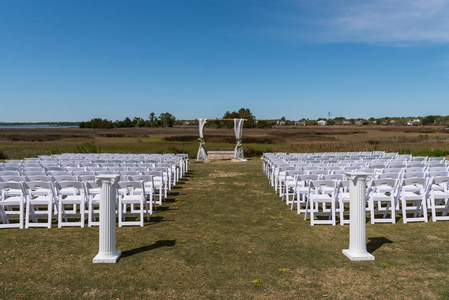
column 224, row 234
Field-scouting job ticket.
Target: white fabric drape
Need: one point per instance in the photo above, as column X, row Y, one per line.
column 201, row 155
column 238, row 151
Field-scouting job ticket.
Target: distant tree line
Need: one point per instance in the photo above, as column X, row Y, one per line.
column 164, row 120
column 168, row 120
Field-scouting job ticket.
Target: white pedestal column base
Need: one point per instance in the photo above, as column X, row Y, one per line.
column 107, row 252
column 357, row 214
column 357, row 256
column 107, row 258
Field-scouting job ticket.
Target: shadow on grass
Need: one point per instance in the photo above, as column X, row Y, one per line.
column 155, row 220
column 158, row 244
column 376, row 242
column 165, row 208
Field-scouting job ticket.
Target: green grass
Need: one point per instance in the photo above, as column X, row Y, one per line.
column 224, row 234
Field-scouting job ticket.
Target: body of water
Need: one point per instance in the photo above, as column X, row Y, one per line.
column 34, row 126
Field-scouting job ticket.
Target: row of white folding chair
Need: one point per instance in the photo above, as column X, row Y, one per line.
column 33, row 195
column 79, row 175
column 383, row 196
column 60, row 194
column 161, row 184
column 178, row 167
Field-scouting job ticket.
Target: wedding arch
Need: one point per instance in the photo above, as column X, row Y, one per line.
column 238, row 150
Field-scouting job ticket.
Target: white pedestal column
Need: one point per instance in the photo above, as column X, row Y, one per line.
column 357, row 217
column 107, row 252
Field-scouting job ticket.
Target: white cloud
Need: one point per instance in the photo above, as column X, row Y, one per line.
column 396, row 22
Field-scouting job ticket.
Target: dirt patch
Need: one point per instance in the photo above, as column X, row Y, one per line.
column 218, row 174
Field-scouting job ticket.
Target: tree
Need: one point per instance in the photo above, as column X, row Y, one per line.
column 167, row 119
column 429, row 120
column 243, row 113
column 126, row 123
column 138, row 122
column 153, row 119
column 263, row 124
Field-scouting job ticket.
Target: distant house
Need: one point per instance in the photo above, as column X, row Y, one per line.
column 346, row 122
column 321, row 122
column 358, row 123
column 302, row 123
column 280, row 123
column 414, row 122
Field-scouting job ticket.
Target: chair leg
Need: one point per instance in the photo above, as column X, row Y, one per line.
column 59, row 214
column 120, row 214
column 49, row 214
column 27, row 214
column 82, row 213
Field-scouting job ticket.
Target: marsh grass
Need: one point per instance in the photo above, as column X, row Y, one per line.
column 21, row 143
column 224, row 234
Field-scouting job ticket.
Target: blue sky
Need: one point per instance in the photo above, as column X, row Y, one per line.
column 64, row 60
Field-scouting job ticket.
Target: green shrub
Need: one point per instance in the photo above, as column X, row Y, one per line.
column 434, row 153
column 87, row 147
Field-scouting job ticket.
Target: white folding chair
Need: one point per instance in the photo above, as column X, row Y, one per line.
column 92, row 191
column 132, row 198
column 343, row 201
column 12, row 201
column 383, row 199
column 70, row 195
column 439, row 198
column 323, row 193
column 39, row 193
column 414, row 200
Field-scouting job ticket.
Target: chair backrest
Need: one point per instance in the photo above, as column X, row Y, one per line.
column 392, row 170
column 294, row 172
column 69, row 184
column 388, row 176
column 34, row 173
column 414, row 170
column 10, row 168
column 79, row 173
column 13, row 178
column 38, row 178
column 127, row 172
column 54, row 168
column 441, row 180
column 64, row 178
column 59, row 173
column 414, row 175
column 384, row 182
column 438, row 174
column 34, row 185
column 86, row 177
column 131, row 185
column 317, row 184
column 415, row 181
column 438, row 169
column 437, row 165
column 333, row 177
column 17, row 187
column 145, row 178
column 308, row 177
column 9, row 173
